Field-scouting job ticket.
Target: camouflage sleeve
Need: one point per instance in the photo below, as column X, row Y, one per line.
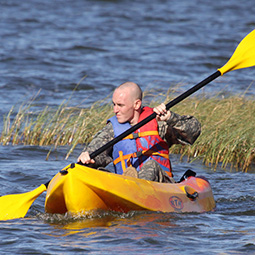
column 180, row 129
column 102, row 137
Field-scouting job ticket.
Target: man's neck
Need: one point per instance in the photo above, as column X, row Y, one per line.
column 135, row 120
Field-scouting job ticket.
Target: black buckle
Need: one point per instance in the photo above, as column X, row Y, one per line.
column 135, row 135
column 139, row 153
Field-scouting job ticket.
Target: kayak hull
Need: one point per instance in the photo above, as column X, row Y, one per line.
column 79, row 189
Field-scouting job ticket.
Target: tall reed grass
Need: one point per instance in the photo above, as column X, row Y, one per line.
column 59, row 126
column 227, row 138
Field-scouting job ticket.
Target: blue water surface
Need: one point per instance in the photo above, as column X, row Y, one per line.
column 48, row 47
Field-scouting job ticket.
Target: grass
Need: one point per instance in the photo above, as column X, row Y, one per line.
column 227, row 138
column 53, row 126
column 227, row 132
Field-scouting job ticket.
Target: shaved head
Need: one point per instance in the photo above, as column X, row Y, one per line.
column 127, row 101
column 134, row 90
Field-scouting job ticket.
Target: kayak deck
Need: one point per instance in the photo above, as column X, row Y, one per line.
column 78, row 189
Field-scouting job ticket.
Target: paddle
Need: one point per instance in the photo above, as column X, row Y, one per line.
column 16, row 206
column 244, row 56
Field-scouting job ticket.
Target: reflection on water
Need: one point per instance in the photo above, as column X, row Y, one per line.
column 95, row 219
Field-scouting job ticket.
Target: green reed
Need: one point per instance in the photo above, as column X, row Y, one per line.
column 59, row 126
column 227, row 136
column 227, row 127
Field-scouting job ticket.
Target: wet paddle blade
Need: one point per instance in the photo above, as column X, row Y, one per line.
column 16, row 205
column 244, row 55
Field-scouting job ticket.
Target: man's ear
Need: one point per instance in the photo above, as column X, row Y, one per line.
column 137, row 104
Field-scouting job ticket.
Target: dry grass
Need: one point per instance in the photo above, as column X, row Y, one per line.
column 227, row 127
column 62, row 126
column 227, row 131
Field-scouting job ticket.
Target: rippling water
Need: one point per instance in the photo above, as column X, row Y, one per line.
column 52, row 45
column 228, row 230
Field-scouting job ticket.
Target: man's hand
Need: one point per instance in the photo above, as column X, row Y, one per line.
column 85, row 159
column 162, row 113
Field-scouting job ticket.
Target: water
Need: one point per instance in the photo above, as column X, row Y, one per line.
column 51, row 45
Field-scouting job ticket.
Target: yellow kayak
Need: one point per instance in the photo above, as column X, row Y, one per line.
column 79, row 189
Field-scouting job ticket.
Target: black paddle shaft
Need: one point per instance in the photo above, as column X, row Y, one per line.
column 153, row 115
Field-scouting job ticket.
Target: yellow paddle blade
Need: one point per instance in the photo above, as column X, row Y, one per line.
column 16, row 206
column 244, row 55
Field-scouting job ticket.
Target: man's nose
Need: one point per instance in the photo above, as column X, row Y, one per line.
column 115, row 108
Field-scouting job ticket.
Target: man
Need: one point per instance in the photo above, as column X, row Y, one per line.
column 144, row 154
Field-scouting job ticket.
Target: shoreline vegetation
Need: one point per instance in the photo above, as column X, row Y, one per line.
column 227, row 139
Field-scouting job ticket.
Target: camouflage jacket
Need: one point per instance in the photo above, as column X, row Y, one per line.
column 177, row 130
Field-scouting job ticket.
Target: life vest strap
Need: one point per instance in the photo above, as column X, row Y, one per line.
column 169, row 173
column 141, row 134
column 137, row 154
column 121, row 157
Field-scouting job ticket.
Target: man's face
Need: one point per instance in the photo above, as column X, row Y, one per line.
column 123, row 106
